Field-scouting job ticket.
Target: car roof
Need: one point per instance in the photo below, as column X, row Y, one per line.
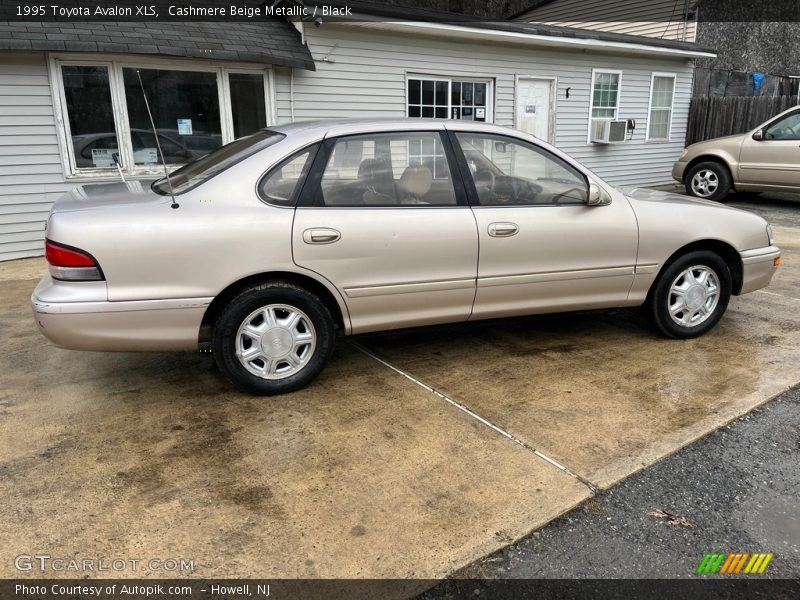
column 335, row 127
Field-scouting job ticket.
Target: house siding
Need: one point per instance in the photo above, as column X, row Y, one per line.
column 31, row 173
column 366, row 79
column 368, row 76
column 656, row 18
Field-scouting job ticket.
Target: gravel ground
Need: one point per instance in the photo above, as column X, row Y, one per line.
column 735, row 490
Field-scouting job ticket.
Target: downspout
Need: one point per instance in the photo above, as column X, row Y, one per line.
column 685, row 18
column 291, row 93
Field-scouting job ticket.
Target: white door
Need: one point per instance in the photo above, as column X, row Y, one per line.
column 534, row 101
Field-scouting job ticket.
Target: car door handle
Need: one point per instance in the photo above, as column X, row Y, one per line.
column 503, row 229
column 321, row 235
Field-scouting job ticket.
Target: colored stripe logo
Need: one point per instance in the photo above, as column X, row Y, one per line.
column 724, row 563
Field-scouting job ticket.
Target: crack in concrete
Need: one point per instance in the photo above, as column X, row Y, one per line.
column 464, row 408
column 784, row 296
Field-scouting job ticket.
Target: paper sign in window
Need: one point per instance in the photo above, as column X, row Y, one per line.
column 184, row 127
column 101, row 157
column 145, row 156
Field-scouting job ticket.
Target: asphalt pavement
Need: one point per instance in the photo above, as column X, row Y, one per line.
column 735, row 490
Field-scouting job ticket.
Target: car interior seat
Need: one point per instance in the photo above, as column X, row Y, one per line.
column 376, row 176
column 414, row 184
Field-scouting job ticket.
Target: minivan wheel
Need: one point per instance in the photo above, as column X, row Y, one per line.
column 691, row 295
column 273, row 338
column 709, row 180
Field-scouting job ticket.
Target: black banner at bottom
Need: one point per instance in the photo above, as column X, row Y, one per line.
column 387, row 589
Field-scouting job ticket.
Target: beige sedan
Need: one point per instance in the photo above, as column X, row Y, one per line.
column 266, row 249
column 765, row 159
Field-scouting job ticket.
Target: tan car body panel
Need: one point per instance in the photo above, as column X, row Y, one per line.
column 422, row 271
column 392, row 267
column 541, row 268
column 707, row 221
column 755, row 165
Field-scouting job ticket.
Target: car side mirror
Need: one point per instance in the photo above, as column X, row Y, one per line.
column 758, row 135
column 597, row 196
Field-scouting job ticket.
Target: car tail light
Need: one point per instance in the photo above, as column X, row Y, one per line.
column 71, row 264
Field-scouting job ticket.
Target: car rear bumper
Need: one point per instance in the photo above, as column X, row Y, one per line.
column 71, row 316
column 758, row 267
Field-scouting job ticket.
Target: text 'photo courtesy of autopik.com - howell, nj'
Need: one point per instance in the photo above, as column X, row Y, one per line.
column 399, row 300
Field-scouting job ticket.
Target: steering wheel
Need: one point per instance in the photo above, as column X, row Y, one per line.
column 484, row 184
column 573, row 195
column 780, row 133
column 527, row 191
column 485, row 178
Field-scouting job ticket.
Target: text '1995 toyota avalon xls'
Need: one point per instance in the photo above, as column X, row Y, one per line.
column 263, row 249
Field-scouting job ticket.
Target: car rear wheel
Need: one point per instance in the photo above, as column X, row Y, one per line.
column 709, row 180
column 273, row 338
column 691, row 295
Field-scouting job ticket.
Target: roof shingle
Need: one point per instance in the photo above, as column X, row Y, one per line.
column 269, row 41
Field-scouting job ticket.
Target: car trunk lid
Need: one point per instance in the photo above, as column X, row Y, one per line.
column 107, row 195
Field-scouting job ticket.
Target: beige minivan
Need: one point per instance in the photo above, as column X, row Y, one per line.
column 765, row 159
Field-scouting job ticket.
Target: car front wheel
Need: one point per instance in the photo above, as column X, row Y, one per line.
column 709, row 180
column 691, row 295
column 273, row 338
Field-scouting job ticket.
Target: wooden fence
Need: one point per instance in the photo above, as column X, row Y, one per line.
column 715, row 116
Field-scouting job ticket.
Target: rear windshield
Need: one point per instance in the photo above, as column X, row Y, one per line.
column 204, row 168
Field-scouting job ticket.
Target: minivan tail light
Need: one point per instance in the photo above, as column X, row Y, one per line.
column 71, row 264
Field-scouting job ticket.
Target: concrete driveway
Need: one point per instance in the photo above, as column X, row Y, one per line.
column 414, row 454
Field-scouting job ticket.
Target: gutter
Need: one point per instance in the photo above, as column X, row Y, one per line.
column 551, row 41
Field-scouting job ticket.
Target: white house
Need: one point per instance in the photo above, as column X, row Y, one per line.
column 71, row 94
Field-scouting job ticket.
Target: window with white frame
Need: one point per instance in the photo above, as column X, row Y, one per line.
column 605, row 94
column 428, row 151
column 449, row 98
column 662, row 95
column 196, row 109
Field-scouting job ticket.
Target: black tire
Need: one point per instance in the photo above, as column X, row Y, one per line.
column 723, row 178
column 282, row 297
column 661, row 296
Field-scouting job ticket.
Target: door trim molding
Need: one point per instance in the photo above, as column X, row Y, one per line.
column 409, row 288
column 526, row 278
column 553, row 100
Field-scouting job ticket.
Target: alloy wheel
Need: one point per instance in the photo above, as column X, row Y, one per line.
column 693, row 296
column 275, row 341
column 704, row 183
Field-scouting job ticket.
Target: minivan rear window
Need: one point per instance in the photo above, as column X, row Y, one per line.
column 204, row 168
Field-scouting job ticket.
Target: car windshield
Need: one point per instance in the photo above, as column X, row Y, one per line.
column 204, row 168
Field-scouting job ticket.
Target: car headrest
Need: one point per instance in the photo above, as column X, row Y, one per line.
column 371, row 169
column 415, row 181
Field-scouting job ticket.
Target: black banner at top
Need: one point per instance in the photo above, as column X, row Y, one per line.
column 452, row 11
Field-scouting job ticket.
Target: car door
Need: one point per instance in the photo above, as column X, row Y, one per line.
column 382, row 219
column 774, row 159
column 542, row 248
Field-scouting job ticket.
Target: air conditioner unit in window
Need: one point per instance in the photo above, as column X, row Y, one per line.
column 605, row 131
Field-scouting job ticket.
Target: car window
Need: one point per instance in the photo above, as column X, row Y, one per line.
column 506, row 171
column 201, row 170
column 281, row 185
column 388, row 169
column 787, row 128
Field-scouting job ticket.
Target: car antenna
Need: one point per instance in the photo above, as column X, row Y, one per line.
column 115, row 158
column 158, row 144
